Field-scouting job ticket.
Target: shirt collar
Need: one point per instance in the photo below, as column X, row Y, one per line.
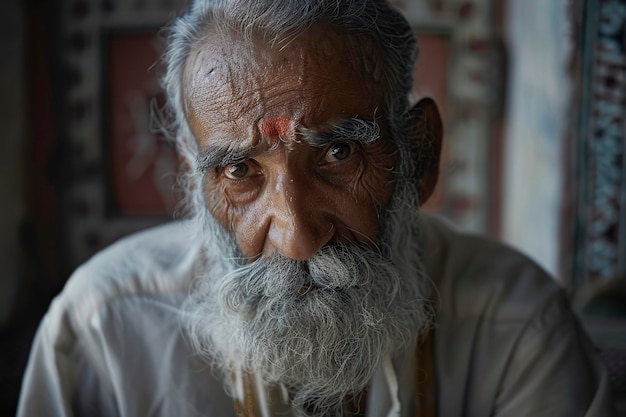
column 389, row 393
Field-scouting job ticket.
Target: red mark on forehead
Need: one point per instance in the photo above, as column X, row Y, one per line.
column 274, row 126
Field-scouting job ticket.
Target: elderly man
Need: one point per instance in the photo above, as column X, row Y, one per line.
column 306, row 283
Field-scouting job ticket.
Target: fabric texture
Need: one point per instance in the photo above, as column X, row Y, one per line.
column 505, row 342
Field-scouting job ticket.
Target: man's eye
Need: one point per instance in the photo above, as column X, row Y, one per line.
column 237, row 171
column 338, row 152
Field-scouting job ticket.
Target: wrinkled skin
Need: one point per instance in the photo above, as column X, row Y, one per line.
column 287, row 195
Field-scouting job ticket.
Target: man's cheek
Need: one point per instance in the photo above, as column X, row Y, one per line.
column 374, row 183
column 219, row 203
column 243, row 221
column 371, row 189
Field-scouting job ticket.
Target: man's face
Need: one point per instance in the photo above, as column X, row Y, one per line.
column 298, row 170
column 287, row 138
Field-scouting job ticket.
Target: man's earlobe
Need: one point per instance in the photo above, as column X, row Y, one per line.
column 427, row 131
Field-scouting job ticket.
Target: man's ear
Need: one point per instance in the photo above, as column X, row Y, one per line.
column 427, row 131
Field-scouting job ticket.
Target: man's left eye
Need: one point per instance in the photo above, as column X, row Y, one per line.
column 237, row 171
column 339, row 152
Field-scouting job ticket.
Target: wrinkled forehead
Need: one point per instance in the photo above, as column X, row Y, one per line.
column 225, row 63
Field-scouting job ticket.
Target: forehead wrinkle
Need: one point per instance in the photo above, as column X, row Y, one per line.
column 200, row 70
column 219, row 83
column 245, row 92
column 230, row 106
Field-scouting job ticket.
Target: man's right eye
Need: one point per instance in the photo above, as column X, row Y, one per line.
column 237, row 171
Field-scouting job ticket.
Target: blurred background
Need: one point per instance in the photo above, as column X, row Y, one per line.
column 533, row 94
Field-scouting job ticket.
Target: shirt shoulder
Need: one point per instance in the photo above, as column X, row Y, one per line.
column 153, row 262
column 115, row 329
column 506, row 339
column 479, row 276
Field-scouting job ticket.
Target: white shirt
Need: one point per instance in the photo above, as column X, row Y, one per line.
column 505, row 341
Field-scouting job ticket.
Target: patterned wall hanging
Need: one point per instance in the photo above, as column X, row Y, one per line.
column 594, row 255
column 120, row 171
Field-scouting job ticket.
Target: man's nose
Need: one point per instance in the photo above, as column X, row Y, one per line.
column 300, row 224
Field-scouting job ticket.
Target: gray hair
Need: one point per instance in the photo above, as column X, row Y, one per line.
column 281, row 20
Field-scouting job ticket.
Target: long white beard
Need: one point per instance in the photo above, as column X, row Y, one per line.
column 321, row 326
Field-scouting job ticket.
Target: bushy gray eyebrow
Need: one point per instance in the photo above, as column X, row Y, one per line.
column 352, row 129
column 220, row 156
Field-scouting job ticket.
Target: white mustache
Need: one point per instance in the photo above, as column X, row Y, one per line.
column 334, row 269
